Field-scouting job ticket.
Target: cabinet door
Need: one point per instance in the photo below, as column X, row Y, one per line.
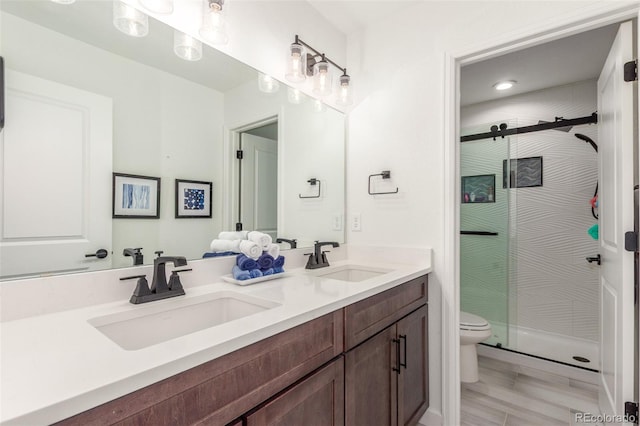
column 413, row 381
column 316, row 401
column 371, row 383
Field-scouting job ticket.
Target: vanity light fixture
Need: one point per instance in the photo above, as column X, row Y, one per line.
column 186, row 47
column 316, row 64
column 294, row 95
column 504, row 85
column 64, row 1
column 130, row 20
column 267, row 84
column 213, row 22
column 158, row 6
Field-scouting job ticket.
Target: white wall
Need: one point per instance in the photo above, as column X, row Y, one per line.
column 310, row 145
column 554, row 288
column 398, row 124
column 163, row 126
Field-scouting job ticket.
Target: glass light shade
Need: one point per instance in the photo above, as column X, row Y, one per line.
column 213, row 28
column 321, row 78
column 296, row 65
column 158, row 6
column 345, row 91
column 186, row 47
column 129, row 20
column 319, row 106
column 294, row 96
column 267, row 84
column 64, row 1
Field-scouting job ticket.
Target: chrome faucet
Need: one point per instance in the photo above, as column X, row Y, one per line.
column 159, row 289
column 318, row 259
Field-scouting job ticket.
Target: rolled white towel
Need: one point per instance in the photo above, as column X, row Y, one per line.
column 250, row 249
column 233, row 235
column 246, row 247
column 263, row 240
column 273, row 250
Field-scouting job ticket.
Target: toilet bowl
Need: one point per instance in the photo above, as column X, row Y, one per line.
column 473, row 330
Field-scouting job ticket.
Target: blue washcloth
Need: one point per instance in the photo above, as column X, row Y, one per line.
column 278, row 269
column 239, row 274
column 255, row 273
column 265, row 261
column 224, row 253
column 278, row 262
column 268, row 271
column 246, row 263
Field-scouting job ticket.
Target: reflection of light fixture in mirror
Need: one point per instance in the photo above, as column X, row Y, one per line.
column 129, row 20
column 267, row 84
column 158, row 6
column 294, row 95
column 504, row 85
column 321, row 78
column 296, row 66
column 319, row 106
column 213, row 25
column 186, row 47
column 344, row 90
column 64, row 1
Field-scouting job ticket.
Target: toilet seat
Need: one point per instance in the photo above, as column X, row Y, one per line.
column 473, row 322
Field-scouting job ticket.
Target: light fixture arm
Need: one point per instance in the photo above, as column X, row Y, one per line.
column 322, row 55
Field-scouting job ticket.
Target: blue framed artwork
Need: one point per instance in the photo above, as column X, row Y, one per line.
column 522, row 172
column 135, row 196
column 193, row 199
column 478, row 189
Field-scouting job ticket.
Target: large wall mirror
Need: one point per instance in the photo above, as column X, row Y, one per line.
column 85, row 101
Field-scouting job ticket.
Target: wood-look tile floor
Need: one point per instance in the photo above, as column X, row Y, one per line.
column 513, row 395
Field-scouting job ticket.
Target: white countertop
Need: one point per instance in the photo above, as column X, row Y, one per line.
column 56, row 365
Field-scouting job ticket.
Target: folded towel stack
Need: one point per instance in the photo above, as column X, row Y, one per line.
column 246, row 247
column 278, row 265
column 260, row 238
column 273, row 250
column 233, row 235
column 265, row 261
column 246, row 263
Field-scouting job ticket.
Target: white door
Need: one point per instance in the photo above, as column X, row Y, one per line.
column 55, row 175
column 259, row 184
column 616, row 177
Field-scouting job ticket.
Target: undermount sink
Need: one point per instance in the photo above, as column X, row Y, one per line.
column 149, row 325
column 352, row 273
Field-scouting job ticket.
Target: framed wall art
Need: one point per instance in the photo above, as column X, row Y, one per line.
column 193, row 199
column 136, row 197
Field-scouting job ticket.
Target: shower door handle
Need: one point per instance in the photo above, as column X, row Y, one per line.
column 596, row 259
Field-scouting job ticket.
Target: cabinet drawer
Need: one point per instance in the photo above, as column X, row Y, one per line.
column 221, row 390
column 370, row 316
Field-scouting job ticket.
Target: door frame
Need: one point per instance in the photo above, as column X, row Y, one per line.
column 230, row 167
column 583, row 20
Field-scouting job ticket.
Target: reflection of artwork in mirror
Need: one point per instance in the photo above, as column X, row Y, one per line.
column 193, row 199
column 136, row 197
column 478, row 189
column 523, row 172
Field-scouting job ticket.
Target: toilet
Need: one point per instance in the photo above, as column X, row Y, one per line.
column 473, row 330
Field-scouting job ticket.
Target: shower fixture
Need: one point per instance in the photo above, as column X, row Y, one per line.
column 587, row 139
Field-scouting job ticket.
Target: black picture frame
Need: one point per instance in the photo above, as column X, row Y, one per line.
column 135, row 196
column 524, row 172
column 478, row 189
column 193, row 199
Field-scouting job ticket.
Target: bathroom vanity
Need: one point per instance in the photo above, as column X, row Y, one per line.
column 331, row 346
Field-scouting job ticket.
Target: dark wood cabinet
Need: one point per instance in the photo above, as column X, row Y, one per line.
column 386, row 377
column 316, row 401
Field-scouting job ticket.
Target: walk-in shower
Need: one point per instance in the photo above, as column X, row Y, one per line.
column 528, row 223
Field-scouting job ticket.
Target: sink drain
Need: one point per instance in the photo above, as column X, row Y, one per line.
column 581, row 359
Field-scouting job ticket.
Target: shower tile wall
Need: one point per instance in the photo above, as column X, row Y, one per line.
column 554, row 289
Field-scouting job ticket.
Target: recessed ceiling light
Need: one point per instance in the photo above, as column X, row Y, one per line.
column 504, row 85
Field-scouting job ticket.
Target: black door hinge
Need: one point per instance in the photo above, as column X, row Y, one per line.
column 239, row 154
column 631, row 412
column 239, row 226
column 631, row 241
column 631, row 71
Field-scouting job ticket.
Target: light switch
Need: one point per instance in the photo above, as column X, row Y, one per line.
column 356, row 224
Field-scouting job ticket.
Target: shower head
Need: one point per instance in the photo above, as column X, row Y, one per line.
column 587, row 139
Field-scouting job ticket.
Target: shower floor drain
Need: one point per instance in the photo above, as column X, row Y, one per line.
column 581, row 359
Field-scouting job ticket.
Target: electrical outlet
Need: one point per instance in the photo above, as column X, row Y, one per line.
column 356, row 224
column 337, row 222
